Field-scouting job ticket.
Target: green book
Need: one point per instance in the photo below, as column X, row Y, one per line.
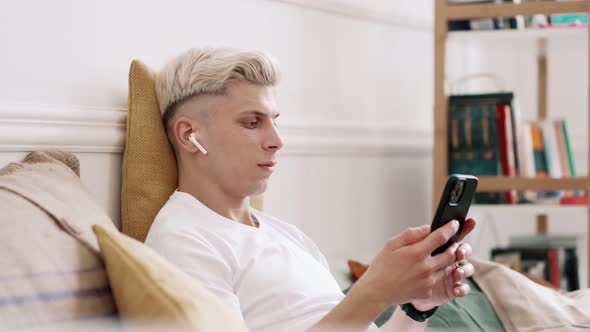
column 568, row 148
column 473, row 138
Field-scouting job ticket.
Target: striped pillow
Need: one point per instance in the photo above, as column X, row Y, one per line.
column 50, row 269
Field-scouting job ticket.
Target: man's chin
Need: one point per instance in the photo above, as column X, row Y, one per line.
column 259, row 189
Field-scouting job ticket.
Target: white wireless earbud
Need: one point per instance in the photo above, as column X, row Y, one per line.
column 193, row 140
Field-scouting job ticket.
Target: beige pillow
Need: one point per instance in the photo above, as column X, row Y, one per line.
column 149, row 166
column 50, row 267
column 150, row 290
column 522, row 305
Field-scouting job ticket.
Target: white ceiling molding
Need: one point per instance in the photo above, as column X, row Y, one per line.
column 102, row 130
column 68, row 128
column 378, row 11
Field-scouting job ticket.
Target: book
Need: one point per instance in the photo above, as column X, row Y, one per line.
column 541, row 169
column 577, row 199
column 568, row 148
column 551, row 149
column 561, row 150
column 539, row 152
column 527, row 159
column 575, row 19
column 535, row 21
column 496, row 23
column 562, row 257
column 516, row 22
column 545, row 151
column 507, row 152
column 541, row 262
column 474, row 144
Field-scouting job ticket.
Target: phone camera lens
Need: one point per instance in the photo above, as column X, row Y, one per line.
column 457, row 192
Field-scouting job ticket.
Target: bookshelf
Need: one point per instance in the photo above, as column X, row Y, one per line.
column 443, row 12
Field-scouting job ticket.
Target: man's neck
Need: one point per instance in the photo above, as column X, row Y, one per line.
column 212, row 196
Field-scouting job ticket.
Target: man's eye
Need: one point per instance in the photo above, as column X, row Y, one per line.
column 251, row 124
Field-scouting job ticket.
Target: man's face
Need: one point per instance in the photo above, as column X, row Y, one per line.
column 241, row 139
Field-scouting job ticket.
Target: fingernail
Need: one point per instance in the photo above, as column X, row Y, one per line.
column 457, row 292
column 461, row 271
column 455, row 224
column 463, row 251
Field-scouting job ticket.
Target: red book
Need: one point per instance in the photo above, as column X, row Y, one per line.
column 507, row 156
column 555, row 273
column 573, row 200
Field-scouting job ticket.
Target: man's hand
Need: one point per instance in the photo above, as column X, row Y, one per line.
column 404, row 270
column 449, row 285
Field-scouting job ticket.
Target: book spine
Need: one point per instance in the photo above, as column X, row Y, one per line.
column 550, row 142
column 554, row 268
column 539, row 152
column 571, row 269
column 506, row 147
column 561, row 150
column 568, row 148
column 473, row 144
column 527, row 158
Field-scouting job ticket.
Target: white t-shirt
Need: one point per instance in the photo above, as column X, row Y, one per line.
column 274, row 276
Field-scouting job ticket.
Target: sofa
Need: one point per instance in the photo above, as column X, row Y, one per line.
column 66, row 266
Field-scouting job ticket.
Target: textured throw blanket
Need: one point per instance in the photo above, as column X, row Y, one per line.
column 51, row 181
column 524, row 306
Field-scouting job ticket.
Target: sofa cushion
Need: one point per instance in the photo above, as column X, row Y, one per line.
column 525, row 306
column 150, row 290
column 149, row 167
column 50, row 269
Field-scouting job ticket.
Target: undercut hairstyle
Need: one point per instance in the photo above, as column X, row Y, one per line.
column 207, row 71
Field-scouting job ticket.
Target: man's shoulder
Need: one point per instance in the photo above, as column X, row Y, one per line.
column 173, row 222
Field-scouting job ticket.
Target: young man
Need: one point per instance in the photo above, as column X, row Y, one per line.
column 219, row 109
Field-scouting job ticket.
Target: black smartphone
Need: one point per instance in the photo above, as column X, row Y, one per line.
column 454, row 205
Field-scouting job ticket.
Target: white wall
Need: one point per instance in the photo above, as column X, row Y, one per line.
column 356, row 99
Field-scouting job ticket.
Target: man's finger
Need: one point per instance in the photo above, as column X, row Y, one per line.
column 464, row 251
column 460, row 290
column 468, row 226
column 437, row 238
column 408, row 237
column 445, row 259
column 463, row 272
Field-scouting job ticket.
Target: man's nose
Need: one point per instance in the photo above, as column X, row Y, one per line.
column 275, row 141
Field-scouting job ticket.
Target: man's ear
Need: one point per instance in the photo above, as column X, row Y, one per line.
column 182, row 128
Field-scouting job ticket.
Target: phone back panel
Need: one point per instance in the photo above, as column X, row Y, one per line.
column 446, row 211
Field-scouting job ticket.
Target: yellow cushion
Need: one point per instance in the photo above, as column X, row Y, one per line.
column 149, row 166
column 149, row 289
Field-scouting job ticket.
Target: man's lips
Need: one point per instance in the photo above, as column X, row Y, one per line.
column 267, row 164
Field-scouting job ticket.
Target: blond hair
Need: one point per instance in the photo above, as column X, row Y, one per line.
column 207, row 71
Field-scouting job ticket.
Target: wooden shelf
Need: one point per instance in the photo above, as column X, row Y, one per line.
column 501, row 183
column 533, row 209
column 455, row 12
column 443, row 13
column 495, row 35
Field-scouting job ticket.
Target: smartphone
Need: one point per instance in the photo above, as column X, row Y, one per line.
column 454, row 205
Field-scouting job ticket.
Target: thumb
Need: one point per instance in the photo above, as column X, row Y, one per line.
column 408, row 237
